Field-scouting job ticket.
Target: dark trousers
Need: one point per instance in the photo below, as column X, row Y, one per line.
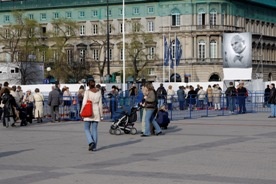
column 242, row 108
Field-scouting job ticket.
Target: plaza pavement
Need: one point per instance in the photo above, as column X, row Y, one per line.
column 238, row 149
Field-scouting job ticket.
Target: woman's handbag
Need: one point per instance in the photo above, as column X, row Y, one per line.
column 87, row 110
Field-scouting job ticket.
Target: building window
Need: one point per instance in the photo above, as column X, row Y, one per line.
column 136, row 11
column 110, row 54
column 6, row 18
column 201, row 17
column 151, row 52
column 151, row 71
column 150, row 9
column 201, row 49
column 82, row 30
column 69, row 56
column 223, row 17
column 81, row 14
column 56, row 30
column 96, row 54
column 150, row 26
column 95, row 13
column 43, row 16
column 120, row 11
column 109, row 12
column 31, row 16
column 82, row 56
column 213, row 18
column 213, row 49
column 7, row 33
column 56, row 15
column 136, row 27
column 68, row 31
column 68, row 15
column 110, row 28
column 176, row 19
column 95, row 29
column 121, row 27
column 121, row 54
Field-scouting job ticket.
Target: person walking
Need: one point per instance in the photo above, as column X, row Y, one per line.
column 91, row 123
column 272, row 101
column 39, row 103
column 54, row 100
column 150, row 106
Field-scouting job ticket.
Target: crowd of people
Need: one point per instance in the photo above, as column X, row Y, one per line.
column 22, row 107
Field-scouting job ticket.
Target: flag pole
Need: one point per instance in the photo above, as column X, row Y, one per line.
column 163, row 57
column 175, row 44
column 124, row 60
column 169, row 55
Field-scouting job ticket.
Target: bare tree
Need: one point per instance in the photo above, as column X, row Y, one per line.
column 138, row 52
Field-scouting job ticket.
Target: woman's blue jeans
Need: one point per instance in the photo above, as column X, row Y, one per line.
column 149, row 120
column 91, row 131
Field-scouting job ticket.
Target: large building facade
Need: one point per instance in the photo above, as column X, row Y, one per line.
column 197, row 24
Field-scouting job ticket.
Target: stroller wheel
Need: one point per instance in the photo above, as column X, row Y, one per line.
column 118, row 132
column 133, row 131
column 111, row 131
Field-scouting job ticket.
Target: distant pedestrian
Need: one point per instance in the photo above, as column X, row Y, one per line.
column 272, row 101
column 266, row 95
column 54, row 100
column 39, row 103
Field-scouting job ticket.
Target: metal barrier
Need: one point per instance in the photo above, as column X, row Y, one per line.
column 192, row 107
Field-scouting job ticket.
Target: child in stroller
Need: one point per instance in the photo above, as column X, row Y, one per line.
column 124, row 121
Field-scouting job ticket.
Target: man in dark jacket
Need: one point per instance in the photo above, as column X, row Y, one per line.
column 242, row 94
column 266, row 96
column 272, row 100
column 54, row 100
column 231, row 95
column 161, row 95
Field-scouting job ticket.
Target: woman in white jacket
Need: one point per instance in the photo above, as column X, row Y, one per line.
column 201, row 97
column 170, row 95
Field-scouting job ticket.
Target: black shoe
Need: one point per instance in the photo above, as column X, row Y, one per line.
column 91, row 146
column 271, row 116
column 143, row 135
column 159, row 133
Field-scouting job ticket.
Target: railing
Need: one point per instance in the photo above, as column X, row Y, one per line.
column 192, row 107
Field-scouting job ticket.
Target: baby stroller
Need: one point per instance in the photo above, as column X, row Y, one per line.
column 124, row 122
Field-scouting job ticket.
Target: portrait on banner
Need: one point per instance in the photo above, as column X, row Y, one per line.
column 237, row 50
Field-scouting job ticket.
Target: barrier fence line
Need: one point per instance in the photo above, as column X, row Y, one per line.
column 193, row 108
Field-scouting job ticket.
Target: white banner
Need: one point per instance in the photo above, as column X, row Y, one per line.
column 237, row 73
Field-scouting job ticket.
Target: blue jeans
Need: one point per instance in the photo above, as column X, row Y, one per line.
column 91, row 134
column 232, row 103
column 148, row 120
column 181, row 105
column 161, row 102
column 273, row 109
column 242, row 104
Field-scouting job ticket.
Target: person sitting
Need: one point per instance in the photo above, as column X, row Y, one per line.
column 162, row 117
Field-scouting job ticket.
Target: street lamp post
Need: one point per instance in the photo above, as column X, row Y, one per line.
column 48, row 69
column 107, row 41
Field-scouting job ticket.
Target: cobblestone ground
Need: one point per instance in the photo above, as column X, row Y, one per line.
column 236, row 149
